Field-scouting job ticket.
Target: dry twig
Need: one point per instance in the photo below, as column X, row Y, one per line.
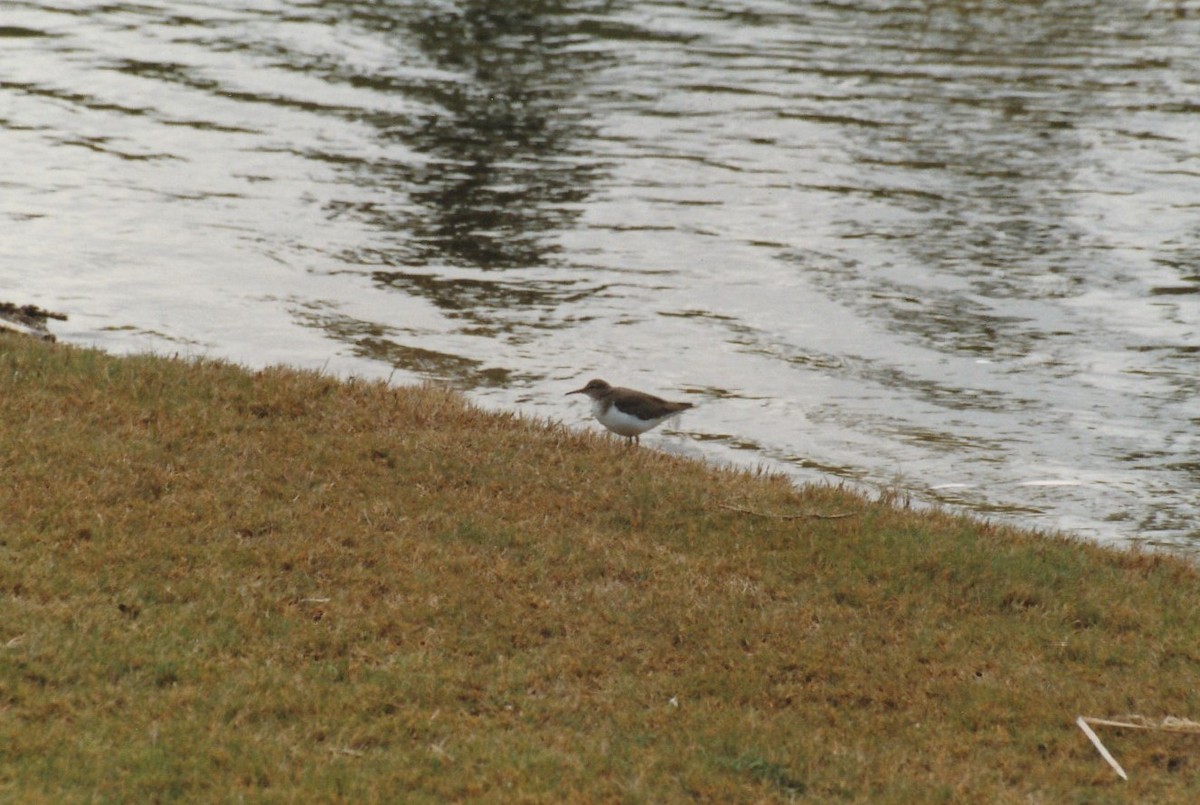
column 1133, row 722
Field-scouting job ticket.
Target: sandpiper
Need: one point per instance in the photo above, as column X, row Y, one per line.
column 627, row 412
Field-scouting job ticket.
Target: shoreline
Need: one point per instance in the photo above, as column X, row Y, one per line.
column 29, row 320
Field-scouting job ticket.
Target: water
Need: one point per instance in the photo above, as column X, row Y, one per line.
column 947, row 247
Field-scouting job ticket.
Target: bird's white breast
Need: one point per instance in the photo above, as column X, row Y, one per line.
column 621, row 423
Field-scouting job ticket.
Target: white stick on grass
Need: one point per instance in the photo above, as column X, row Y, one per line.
column 1104, row 753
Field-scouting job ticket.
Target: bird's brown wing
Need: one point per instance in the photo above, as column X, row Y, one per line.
column 649, row 407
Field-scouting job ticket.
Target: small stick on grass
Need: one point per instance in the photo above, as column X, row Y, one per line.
column 1100, row 747
column 1133, row 722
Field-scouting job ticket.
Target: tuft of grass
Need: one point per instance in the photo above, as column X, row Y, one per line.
column 220, row 584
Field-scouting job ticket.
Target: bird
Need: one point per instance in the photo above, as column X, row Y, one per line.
column 627, row 412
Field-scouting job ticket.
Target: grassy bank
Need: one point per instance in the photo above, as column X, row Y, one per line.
column 218, row 584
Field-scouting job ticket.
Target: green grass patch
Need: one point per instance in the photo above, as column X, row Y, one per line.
column 220, row 584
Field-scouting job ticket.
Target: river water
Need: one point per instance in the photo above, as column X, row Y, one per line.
column 946, row 248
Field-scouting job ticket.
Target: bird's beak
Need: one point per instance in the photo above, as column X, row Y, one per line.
column 576, row 391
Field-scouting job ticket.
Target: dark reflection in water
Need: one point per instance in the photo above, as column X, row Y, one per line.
column 499, row 163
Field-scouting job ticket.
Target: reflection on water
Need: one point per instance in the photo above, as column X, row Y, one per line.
column 497, row 161
column 951, row 247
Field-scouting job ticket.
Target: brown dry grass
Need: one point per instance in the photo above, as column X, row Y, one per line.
column 218, row 584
